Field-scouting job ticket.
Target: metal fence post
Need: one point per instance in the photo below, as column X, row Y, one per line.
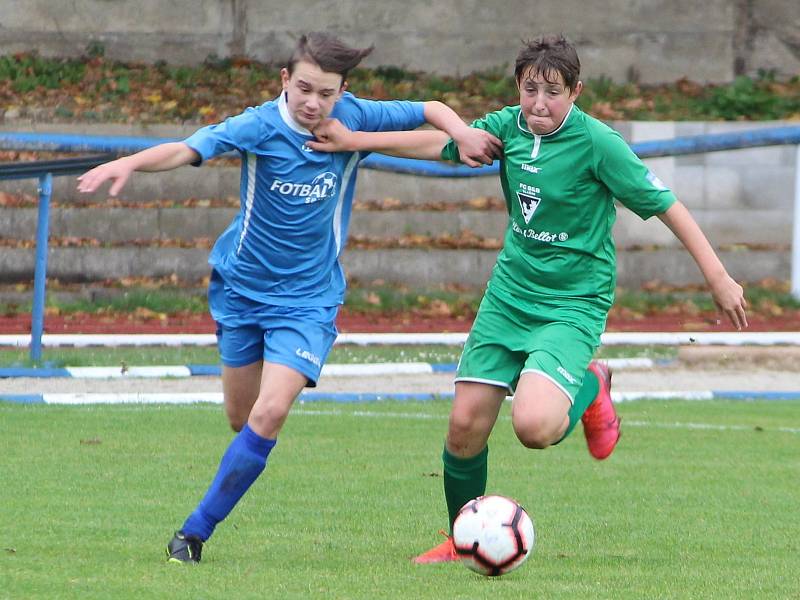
column 40, row 272
column 796, row 230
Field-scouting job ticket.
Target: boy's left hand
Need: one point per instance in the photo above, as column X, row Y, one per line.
column 729, row 298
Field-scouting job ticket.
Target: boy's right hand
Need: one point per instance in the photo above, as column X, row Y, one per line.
column 478, row 147
column 332, row 136
column 117, row 171
column 729, row 299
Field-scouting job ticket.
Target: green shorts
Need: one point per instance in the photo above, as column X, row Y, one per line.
column 506, row 341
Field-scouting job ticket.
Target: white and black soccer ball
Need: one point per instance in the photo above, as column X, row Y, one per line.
column 493, row 535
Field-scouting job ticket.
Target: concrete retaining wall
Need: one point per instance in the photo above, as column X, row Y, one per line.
column 117, row 225
column 749, row 179
column 648, row 40
column 415, row 267
column 738, row 196
column 742, row 197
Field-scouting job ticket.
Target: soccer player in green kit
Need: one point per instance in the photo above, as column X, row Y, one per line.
column 545, row 306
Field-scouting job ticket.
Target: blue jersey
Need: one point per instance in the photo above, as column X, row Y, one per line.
column 283, row 247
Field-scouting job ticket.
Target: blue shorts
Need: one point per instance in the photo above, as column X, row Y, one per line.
column 248, row 331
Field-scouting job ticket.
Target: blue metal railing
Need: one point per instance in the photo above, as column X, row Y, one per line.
column 44, row 172
column 698, row 144
column 114, row 145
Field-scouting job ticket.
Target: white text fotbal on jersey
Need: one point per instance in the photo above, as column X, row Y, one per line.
column 323, row 186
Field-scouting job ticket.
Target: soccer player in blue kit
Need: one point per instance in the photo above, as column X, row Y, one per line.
column 276, row 281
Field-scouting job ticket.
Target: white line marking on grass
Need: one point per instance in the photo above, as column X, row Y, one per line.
column 384, row 368
column 709, row 426
column 629, row 363
column 367, row 413
column 618, row 397
column 129, row 372
column 136, row 397
column 626, row 422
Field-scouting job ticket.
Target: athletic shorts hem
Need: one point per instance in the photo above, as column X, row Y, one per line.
column 309, row 373
column 549, row 378
column 240, row 363
column 493, row 382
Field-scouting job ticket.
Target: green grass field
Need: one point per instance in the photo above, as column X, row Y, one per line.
column 699, row 501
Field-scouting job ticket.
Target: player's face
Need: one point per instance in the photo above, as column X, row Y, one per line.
column 545, row 103
column 311, row 93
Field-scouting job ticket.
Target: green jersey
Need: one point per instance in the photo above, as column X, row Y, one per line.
column 559, row 190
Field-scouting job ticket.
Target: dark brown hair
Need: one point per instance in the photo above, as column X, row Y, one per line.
column 547, row 56
column 328, row 52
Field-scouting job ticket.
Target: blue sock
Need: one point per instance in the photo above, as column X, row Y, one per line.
column 241, row 465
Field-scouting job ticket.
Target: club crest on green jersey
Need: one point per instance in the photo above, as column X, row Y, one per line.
column 528, row 204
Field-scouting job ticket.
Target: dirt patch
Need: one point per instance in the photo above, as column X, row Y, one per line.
column 786, row 358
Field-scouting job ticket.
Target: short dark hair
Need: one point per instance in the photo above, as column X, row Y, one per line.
column 328, row 52
column 546, row 56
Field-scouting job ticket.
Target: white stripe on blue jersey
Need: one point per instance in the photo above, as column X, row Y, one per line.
column 338, row 231
column 249, row 166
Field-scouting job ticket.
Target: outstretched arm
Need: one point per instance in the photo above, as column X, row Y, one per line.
column 475, row 146
column 163, row 157
column 333, row 136
column 727, row 294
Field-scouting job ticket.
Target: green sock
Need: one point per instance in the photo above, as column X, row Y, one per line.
column 584, row 397
column 464, row 479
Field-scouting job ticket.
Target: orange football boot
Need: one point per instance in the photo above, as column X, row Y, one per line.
column 600, row 421
column 444, row 552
